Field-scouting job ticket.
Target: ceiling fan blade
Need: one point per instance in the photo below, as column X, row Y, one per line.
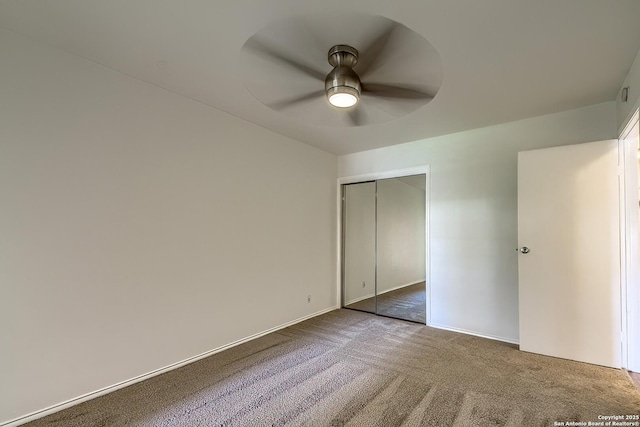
column 369, row 57
column 272, row 54
column 308, row 34
column 395, row 92
column 289, row 102
column 357, row 116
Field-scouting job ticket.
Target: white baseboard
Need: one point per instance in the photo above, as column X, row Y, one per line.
column 353, row 301
column 402, row 286
column 92, row 395
column 476, row 334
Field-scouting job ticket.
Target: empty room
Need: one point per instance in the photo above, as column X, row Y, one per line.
column 363, row 213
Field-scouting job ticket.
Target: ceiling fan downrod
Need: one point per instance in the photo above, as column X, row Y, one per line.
column 342, row 85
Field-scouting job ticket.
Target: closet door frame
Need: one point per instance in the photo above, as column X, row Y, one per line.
column 375, row 176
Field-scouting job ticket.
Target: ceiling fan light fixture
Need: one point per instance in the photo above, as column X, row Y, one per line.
column 343, row 96
column 342, row 84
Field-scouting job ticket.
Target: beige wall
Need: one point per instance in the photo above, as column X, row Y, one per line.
column 473, row 279
column 140, row 228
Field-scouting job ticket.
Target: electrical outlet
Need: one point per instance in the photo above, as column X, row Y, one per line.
column 363, row 284
column 308, row 298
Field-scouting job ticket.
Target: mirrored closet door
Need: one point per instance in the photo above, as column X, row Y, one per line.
column 384, row 262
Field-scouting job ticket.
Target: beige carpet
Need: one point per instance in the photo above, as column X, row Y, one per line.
column 353, row 368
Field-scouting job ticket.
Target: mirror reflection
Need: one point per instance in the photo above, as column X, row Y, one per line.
column 401, row 248
column 384, row 257
column 359, row 246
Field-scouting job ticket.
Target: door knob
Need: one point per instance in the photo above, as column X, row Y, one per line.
column 524, row 250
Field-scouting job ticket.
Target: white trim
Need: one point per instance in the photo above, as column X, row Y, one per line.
column 396, row 173
column 88, row 396
column 402, row 286
column 475, row 334
column 338, row 270
column 353, row 301
column 622, row 215
column 629, row 248
column 634, row 116
column 624, row 127
column 427, row 248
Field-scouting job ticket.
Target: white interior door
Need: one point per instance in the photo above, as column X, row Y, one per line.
column 569, row 281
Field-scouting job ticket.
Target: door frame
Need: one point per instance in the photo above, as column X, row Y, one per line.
column 629, row 248
column 374, row 176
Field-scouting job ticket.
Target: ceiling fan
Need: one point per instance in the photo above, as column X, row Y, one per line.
column 351, row 82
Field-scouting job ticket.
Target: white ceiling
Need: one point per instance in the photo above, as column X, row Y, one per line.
column 503, row 60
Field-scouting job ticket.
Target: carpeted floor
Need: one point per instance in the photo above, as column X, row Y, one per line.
column 635, row 377
column 352, row 368
column 408, row 303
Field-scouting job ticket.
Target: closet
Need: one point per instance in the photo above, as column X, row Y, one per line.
column 383, row 247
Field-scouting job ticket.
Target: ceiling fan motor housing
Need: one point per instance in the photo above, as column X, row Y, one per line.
column 342, row 78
